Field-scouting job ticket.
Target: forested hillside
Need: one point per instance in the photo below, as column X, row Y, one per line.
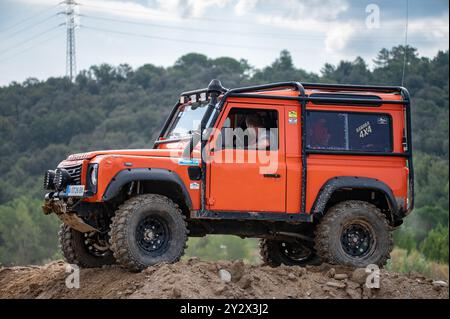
column 41, row 122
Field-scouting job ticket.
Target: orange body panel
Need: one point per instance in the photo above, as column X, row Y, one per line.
column 242, row 186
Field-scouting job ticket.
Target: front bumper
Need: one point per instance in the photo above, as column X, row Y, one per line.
column 63, row 196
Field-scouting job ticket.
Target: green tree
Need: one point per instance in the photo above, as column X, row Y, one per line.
column 435, row 245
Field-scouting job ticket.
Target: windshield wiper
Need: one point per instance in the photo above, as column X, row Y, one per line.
column 173, row 140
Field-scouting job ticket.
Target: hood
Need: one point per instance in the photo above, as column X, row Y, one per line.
column 136, row 152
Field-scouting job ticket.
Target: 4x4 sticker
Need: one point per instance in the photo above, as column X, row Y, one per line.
column 364, row 130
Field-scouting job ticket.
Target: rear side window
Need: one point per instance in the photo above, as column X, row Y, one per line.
column 348, row 131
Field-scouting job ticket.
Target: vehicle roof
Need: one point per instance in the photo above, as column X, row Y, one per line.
column 308, row 92
column 294, row 89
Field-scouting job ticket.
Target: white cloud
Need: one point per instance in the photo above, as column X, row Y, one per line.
column 431, row 28
column 429, row 34
column 243, row 6
column 296, row 9
column 190, row 8
column 337, row 38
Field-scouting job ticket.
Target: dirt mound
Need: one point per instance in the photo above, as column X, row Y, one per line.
column 198, row 279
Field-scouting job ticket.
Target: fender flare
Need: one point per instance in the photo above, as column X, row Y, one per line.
column 144, row 174
column 341, row 182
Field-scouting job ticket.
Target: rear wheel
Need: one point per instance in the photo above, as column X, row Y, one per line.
column 147, row 230
column 291, row 253
column 89, row 250
column 354, row 233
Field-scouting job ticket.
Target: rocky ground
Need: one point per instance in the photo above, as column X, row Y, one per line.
column 199, row 279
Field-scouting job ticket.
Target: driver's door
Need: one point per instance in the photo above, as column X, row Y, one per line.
column 241, row 179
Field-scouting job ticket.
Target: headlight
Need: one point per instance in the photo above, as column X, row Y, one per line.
column 48, row 180
column 61, row 179
column 93, row 174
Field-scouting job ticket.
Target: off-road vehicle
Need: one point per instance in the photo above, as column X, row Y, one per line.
column 318, row 172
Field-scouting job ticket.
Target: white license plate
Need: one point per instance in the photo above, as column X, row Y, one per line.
column 75, row 190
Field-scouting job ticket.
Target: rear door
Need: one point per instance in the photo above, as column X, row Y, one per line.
column 242, row 178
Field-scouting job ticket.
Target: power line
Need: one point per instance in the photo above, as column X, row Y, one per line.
column 229, row 32
column 174, row 39
column 31, row 38
column 39, row 13
column 184, row 40
column 165, row 15
column 30, row 26
column 219, row 20
column 30, row 48
column 181, row 28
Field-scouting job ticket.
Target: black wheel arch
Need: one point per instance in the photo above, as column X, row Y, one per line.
column 343, row 188
column 154, row 180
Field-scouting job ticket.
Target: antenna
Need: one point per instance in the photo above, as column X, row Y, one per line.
column 406, row 42
column 71, row 65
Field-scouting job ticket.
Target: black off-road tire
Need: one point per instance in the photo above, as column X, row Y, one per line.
column 271, row 252
column 75, row 251
column 332, row 231
column 130, row 249
column 266, row 253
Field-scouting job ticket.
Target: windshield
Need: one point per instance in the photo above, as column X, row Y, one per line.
column 187, row 120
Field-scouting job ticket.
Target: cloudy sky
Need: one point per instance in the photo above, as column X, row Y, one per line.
column 33, row 34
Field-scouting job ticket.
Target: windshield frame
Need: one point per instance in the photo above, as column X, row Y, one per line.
column 176, row 119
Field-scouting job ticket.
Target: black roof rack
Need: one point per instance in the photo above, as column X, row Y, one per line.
column 353, row 87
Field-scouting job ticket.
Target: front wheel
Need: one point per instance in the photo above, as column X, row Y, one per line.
column 147, row 230
column 88, row 250
column 354, row 233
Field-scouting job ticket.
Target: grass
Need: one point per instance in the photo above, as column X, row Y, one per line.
column 406, row 262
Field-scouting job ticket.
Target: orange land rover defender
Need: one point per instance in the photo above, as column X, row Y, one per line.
column 318, row 172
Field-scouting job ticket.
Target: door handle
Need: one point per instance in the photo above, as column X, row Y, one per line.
column 272, row 175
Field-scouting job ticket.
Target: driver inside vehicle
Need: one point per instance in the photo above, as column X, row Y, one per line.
column 258, row 135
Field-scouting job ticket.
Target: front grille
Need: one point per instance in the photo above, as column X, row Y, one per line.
column 75, row 174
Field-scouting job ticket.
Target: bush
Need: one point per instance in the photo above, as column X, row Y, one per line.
column 414, row 262
column 27, row 236
column 435, row 245
column 222, row 247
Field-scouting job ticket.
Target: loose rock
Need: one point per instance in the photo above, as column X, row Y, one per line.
column 359, row 275
column 292, row 277
column 336, row 284
column 225, row 275
column 331, row 273
column 440, row 283
column 340, row 276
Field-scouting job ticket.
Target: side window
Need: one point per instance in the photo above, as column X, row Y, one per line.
column 349, row 131
column 249, row 129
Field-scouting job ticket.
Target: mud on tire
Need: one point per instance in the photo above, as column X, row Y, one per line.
column 146, row 230
column 76, row 249
column 354, row 233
